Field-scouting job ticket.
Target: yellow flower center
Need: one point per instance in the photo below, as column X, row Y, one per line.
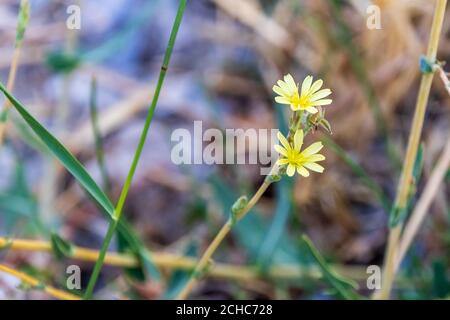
column 295, row 157
column 301, row 101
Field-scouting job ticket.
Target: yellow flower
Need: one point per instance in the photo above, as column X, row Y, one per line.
column 309, row 98
column 296, row 159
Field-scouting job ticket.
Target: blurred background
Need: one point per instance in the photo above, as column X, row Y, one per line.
column 227, row 57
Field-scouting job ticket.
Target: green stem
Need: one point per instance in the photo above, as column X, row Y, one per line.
column 129, row 179
column 99, row 151
column 101, row 257
column 214, row 245
column 404, row 185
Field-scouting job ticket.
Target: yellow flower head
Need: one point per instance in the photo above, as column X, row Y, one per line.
column 296, row 159
column 310, row 95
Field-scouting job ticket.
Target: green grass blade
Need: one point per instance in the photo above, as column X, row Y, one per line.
column 63, row 155
column 84, row 179
column 61, row 248
column 344, row 287
column 99, row 152
column 126, row 187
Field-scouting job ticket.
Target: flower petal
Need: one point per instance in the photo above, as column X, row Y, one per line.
column 312, row 110
column 306, row 85
column 290, row 170
column 302, row 171
column 280, row 91
column 289, row 80
column 283, row 141
column 314, row 167
column 320, row 94
column 315, row 158
column 312, row 149
column 298, row 140
column 287, row 90
column 323, row 102
column 316, row 86
column 280, row 150
column 282, row 100
column 282, row 161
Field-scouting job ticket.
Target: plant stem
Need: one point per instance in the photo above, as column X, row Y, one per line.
column 429, row 192
column 101, row 257
column 178, row 262
column 413, row 144
column 143, row 137
column 22, row 22
column 99, row 151
column 9, row 86
column 423, row 204
column 59, row 294
column 205, row 259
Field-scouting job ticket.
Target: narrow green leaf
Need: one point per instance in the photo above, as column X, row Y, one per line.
column 129, row 242
column 99, row 151
column 63, row 155
column 137, row 155
column 61, row 248
column 179, row 278
column 344, row 287
column 85, row 180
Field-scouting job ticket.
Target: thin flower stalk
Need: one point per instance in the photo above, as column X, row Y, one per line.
column 292, row 159
column 423, row 204
column 431, row 189
column 179, row 262
column 403, row 190
column 35, row 283
column 24, row 15
column 206, row 257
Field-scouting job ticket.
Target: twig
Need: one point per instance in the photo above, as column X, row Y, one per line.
column 59, row 294
column 429, row 193
column 423, row 204
column 413, row 144
column 178, row 262
column 205, row 259
column 23, row 19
